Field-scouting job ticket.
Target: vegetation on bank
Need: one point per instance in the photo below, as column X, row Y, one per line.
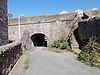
column 26, row 63
column 59, row 45
column 90, row 54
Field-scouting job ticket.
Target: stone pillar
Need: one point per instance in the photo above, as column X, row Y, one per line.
column 3, row 22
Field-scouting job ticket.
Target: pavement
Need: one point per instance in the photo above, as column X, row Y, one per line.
column 43, row 62
column 18, row 68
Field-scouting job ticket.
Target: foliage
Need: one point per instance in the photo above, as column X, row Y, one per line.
column 71, row 18
column 61, row 44
column 26, row 63
column 91, row 53
column 54, row 50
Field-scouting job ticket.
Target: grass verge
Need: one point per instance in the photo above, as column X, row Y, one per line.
column 54, row 50
column 26, row 63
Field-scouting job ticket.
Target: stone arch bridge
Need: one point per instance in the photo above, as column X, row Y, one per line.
column 41, row 30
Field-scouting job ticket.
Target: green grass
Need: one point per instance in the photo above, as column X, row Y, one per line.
column 54, row 50
column 26, row 63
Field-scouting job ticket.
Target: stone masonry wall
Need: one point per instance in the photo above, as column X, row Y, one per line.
column 3, row 22
column 54, row 26
column 9, row 54
column 89, row 28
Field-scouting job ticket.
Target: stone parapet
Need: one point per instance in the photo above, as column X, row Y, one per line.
column 9, row 54
column 42, row 19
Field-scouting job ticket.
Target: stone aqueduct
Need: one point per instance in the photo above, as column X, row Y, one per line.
column 43, row 30
column 49, row 28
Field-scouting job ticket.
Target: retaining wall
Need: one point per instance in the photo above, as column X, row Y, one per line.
column 9, row 54
column 88, row 29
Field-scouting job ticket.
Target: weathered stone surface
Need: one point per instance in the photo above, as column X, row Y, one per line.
column 26, row 41
column 3, row 22
column 95, row 13
column 89, row 28
column 54, row 27
column 9, row 54
column 42, row 19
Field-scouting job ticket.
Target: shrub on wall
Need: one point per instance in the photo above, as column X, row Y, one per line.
column 90, row 54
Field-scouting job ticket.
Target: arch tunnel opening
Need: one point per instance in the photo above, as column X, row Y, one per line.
column 39, row 40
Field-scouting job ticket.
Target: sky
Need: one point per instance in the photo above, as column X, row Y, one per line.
column 48, row 7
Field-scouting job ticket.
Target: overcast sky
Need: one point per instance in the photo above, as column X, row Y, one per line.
column 48, row 7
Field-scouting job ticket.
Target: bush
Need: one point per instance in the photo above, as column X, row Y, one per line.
column 55, row 44
column 61, row 44
column 91, row 53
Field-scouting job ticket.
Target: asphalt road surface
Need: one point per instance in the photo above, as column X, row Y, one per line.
column 44, row 62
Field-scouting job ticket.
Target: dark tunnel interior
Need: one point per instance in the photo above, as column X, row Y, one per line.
column 39, row 40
